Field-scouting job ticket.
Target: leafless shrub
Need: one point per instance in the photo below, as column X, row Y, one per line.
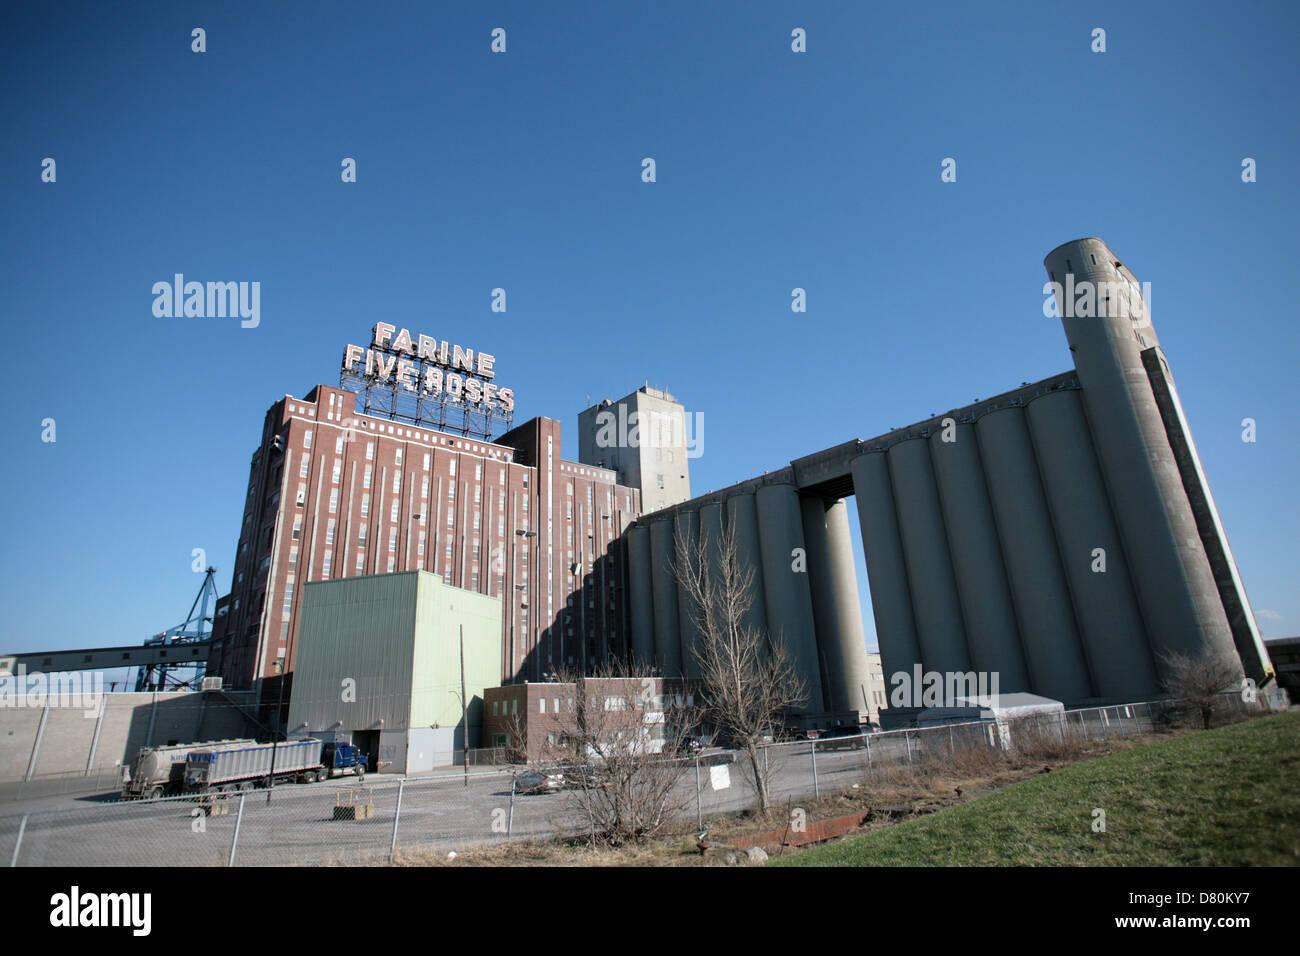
column 748, row 681
column 614, row 742
column 1198, row 681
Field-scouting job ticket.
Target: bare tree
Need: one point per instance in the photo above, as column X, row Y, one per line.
column 748, row 681
column 613, row 738
column 1200, row 680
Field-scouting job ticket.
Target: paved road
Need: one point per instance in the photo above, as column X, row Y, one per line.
column 438, row 814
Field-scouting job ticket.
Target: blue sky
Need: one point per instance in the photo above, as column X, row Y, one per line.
column 775, row 170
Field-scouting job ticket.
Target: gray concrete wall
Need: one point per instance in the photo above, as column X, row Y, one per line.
column 74, row 743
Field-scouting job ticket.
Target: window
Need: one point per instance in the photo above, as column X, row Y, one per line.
column 496, row 708
column 297, row 527
column 329, row 532
column 392, row 539
column 338, row 445
column 451, row 491
column 451, row 516
column 288, row 596
column 397, row 482
column 421, row 548
column 302, row 494
column 426, row 461
column 365, row 506
column 367, row 478
column 334, row 500
column 361, row 561
column 399, row 456
column 392, row 563
column 660, row 480
column 501, row 477
column 306, row 463
column 306, row 439
column 338, row 470
column 478, row 495
column 325, row 567
column 453, row 468
column 361, row 537
column 370, row 451
column 293, row 554
column 424, row 487
column 396, row 503
column 542, row 702
column 478, row 471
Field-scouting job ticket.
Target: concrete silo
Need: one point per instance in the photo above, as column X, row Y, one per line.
column 789, row 601
column 992, row 634
column 641, row 594
column 939, row 629
column 1108, row 327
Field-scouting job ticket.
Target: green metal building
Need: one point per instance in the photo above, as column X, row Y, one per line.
column 378, row 664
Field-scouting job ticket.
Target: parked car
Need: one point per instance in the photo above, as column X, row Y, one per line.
column 841, row 738
column 797, row 733
column 535, row 781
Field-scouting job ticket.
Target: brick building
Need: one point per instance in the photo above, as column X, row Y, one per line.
column 533, row 719
column 333, row 493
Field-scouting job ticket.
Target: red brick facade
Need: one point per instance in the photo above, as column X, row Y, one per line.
column 335, row 494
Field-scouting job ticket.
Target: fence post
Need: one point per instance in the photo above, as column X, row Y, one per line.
column 907, row 739
column 699, row 812
column 18, row 844
column 952, row 747
column 868, row 740
column 234, row 841
column 816, row 786
column 510, row 822
column 397, row 815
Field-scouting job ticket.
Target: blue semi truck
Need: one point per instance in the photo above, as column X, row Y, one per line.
column 245, row 766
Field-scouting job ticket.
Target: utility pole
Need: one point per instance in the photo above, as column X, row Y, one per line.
column 464, row 707
column 270, row 783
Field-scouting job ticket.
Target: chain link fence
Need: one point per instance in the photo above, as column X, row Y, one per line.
column 343, row 822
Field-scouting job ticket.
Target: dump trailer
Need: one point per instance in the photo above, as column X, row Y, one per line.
column 160, row 771
column 239, row 768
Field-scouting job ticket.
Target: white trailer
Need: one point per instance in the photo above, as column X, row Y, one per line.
column 238, row 768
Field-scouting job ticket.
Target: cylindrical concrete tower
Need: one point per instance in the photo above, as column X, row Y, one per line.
column 891, row 595
column 992, row 637
column 668, row 652
column 1104, row 604
column 939, row 629
column 1049, row 638
column 826, row 611
column 789, row 601
column 687, row 530
column 1108, row 327
column 711, row 539
column 851, row 683
column 742, row 519
column 641, row 595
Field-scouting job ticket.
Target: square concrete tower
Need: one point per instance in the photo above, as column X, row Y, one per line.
column 643, row 437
